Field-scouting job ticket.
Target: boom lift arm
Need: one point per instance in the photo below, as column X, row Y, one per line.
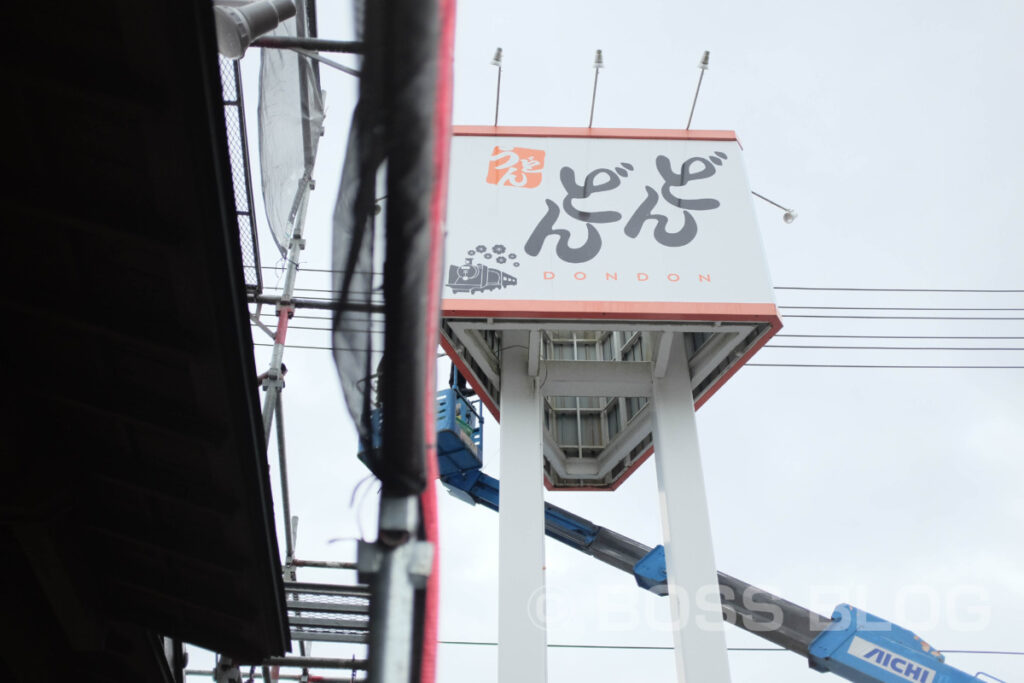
column 853, row 644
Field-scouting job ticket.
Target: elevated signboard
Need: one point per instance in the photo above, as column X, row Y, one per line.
column 599, row 242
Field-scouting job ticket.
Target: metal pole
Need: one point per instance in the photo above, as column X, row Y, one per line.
column 395, row 566
column 323, row 565
column 593, row 98
column 703, row 66
column 695, row 94
column 329, row 62
column 273, row 383
column 761, row 196
column 279, row 677
column 497, row 97
column 496, row 61
column 316, row 304
column 289, row 541
column 318, row 44
column 318, row 663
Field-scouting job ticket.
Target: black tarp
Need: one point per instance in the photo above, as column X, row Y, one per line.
column 392, row 136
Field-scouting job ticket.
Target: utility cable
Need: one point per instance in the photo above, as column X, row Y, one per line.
column 898, row 308
column 901, row 317
column 891, row 367
column 904, row 289
column 731, row 649
column 781, row 287
column 887, row 336
column 895, row 348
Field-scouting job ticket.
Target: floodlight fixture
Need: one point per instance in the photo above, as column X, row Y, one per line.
column 239, row 25
column 789, row 216
column 496, row 59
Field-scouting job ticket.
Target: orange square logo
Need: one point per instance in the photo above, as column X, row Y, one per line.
column 515, row 166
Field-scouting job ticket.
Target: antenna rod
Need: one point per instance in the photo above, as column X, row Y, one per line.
column 761, row 196
column 497, row 97
column 598, row 65
column 703, row 66
column 496, row 61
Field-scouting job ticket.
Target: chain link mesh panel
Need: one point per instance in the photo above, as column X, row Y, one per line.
column 238, row 153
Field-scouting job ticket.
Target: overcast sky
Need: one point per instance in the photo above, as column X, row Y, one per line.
column 894, row 129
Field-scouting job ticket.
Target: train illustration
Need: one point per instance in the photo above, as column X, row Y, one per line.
column 475, row 277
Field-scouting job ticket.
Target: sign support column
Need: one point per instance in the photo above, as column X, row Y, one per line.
column 698, row 634
column 522, row 635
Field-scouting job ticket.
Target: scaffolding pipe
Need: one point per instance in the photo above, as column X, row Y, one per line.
column 273, row 383
column 318, row 44
column 318, row 663
column 289, row 541
column 320, row 564
column 265, row 675
column 317, row 304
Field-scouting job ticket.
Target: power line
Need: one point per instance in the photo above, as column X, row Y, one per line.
column 900, row 317
column 904, row 289
column 371, row 298
column 371, row 294
column 888, row 336
column 319, row 348
column 983, row 652
column 891, row 367
column 582, row 646
column 376, row 333
column 379, row 296
column 897, row 348
column 897, row 308
column 585, row 646
column 327, row 270
column 308, row 289
column 763, row 365
column 303, row 316
column 782, row 287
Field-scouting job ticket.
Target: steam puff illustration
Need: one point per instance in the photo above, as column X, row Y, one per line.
column 471, row 277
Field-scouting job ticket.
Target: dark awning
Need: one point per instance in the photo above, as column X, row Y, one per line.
column 135, row 489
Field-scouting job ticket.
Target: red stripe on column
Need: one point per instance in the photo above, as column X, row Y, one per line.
column 282, row 326
column 442, row 141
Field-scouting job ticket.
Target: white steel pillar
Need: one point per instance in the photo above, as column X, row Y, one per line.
column 700, row 651
column 522, row 635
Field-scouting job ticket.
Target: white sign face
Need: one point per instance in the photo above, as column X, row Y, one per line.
column 586, row 219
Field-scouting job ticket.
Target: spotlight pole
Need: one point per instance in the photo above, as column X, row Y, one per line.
column 703, row 66
column 598, row 65
column 496, row 61
column 789, row 216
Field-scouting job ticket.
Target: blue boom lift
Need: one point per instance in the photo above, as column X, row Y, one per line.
column 853, row 644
